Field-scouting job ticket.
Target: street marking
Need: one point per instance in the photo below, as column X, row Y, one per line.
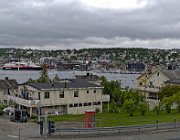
column 12, row 136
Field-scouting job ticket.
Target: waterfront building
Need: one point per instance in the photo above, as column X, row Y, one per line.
column 151, row 82
column 7, row 87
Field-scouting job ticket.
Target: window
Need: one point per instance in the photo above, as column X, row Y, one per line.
column 5, row 101
column 94, row 103
column 46, row 95
column 158, row 74
column 61, row 94
column 76, row 93
column 80, row 104
column 75, row 105
column 151, row 84
column 87, row 91
column 70, row 105
column 140, row 83
column 39, row 95
column 94, row 91
column 89, row 104
column 98, row 103
column 85, row 104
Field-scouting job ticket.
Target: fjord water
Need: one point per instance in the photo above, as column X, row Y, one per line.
column 126, row 80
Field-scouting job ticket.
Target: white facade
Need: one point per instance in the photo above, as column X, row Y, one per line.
column 64, row 100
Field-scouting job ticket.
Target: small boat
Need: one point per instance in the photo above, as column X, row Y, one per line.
column 21, row 66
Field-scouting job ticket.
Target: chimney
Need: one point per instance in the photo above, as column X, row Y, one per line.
column 6, row 78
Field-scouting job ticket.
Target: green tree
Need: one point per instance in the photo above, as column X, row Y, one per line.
column 142, row 107
column 167, row 103
column 44, row 78
column 113, row 107
column 157, row 108
column 129, row 107
column 168, row 91
column 176, row 99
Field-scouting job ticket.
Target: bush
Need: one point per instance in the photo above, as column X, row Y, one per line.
column 97, row 110
column 129, row 107
column 113, row 107
column 142, row 107
column 2, row 106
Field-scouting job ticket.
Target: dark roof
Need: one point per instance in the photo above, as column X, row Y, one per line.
column 73, row 83
column 8, row 84
column 173, row 81
column 88, row 77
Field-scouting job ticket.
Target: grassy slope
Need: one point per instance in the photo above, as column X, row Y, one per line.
column 121, row 119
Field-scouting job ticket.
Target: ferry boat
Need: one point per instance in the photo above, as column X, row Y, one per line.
column 21, row 66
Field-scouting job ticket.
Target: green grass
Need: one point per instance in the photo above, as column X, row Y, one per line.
column 122, row 119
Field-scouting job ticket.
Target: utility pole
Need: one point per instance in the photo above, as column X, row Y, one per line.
column 45, row 127
column 19, row 133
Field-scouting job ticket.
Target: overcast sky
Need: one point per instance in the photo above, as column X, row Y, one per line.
column 67, row 24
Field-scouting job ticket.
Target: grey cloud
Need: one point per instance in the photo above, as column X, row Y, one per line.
column 60, row 23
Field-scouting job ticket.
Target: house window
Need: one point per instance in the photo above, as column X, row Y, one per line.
column 87, row 91
column 89, row 104
column 61, row 94
column 98, row 103
column 158, row 74
column 39, row 95
column 94, row 103
column 76, row 93
column 85, row 104
column 151, row 84
column 46, row 95
column 75, row 105
column 140, row 83
column 5, row 101
column 70, row 105
column 94, row 91
column 80, row 104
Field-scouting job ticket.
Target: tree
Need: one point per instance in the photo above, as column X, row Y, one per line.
column 176, row 99
column 167, row 103
column 44, row 78
column 129, row 107
column 168, row 91
column 157, row 108
column 142, row 107
column 113, row 107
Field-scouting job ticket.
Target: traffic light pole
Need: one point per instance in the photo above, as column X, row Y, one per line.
column 45, row 127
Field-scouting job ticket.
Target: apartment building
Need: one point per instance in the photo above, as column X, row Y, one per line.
column 61, row 97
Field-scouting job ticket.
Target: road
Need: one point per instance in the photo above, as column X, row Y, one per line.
column 173, row 135
column 30, row 131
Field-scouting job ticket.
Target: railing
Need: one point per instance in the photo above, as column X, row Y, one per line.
column 149, row 89
column 24, row 102
column 71, row 132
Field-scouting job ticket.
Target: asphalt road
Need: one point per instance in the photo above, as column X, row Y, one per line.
column 172, row 135
column 10, row 131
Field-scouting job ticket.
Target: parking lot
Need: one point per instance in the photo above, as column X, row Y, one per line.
column 8, row 128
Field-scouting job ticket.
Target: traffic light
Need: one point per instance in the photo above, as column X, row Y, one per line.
column 41, row 127
column 50, row 127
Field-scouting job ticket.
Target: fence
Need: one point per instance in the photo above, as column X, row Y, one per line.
column 123, row 130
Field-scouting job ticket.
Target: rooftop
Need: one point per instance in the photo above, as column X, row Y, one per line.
column 72, row 83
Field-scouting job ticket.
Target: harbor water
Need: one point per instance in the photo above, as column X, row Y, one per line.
column 126, row 80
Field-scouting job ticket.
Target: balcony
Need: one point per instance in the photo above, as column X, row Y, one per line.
column 149, row 89
column 24, row 102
